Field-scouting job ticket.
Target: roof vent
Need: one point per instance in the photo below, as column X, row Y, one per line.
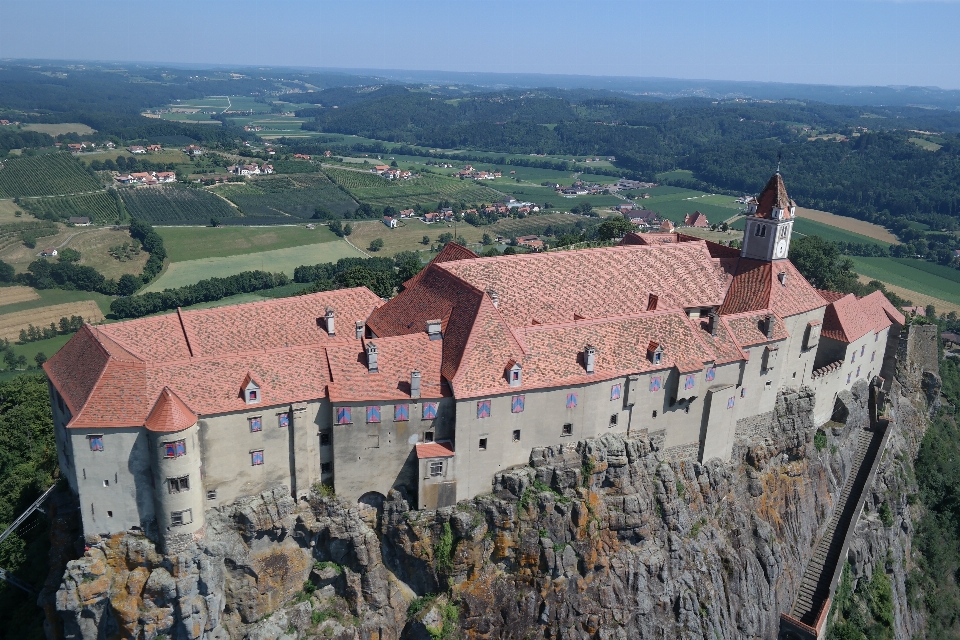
column 331, row 331
column 414, row 384
column 652, row 302
column 433, row 329
column 372, row 366
column 768, row 325
column 589, row 358
column 494, row 297
column 782, row 277
column 359, row 327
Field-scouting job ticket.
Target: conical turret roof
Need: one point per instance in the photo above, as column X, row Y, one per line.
column 170, row 413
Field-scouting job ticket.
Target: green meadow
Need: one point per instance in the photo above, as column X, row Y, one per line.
column 194, row 243
column 917, row 275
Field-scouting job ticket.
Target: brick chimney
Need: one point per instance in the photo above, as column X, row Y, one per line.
column 414, row 384
column 372, row 366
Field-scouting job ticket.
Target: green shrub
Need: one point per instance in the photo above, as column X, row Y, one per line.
column 886, row 516
column 443, row 550
column 419, row 604
column 320, row 566
column 820, row 441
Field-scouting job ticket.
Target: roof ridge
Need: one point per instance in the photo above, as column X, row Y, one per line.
column 601, row 320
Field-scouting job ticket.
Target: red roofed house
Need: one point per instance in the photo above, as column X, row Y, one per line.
column 695, row 219
column 473, row 364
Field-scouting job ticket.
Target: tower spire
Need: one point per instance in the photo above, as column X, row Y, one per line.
column 779, row 156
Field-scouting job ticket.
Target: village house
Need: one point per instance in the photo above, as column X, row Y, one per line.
column 155, row 148
column 136, row 149
column 49, row 252
column 390, row 221
column 79, row 221
column 476, row 362
column 301, row 156
column 193, row 150
column 407, row 213
column 667, row 226
column 643, row 217
column 696, row 219
column 531, row 242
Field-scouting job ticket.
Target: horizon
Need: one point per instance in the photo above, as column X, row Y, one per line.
column 853, row 43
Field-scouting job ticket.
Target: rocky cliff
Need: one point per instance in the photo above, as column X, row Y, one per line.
column 609, row 538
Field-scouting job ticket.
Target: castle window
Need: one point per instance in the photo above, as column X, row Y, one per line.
column 656, row 383
column 256, row 458
column 483, row 444
column 711, row 374
column 283, row 419
column 96, row 443
column 516, row 435
column 743, row 392
column 373, row 414
column 571, row 401
column 615, row 391
column 344, row 415
column 106, row 483
column 689, row 383
column 654, row 414
column 436, row 468
column 858, row 372
column 613, row 420
column 325, row 439
column 483, row 409
column 429, row 410
column 256, row 424
column 109, row 514
column 428, row 436
column 567, row 430
column 848, row 378
column 401, row 412
column 325, row 467
column 212, row 495
column 516, row 404
column 175, row 449
column 180, row 518
column 177, row 485
column 872, row 356
column 876, row 337
column 853, row 358
column 862, row 349
column 730, row 402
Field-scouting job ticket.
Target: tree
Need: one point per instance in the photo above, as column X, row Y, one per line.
column 614, row 227
column 7, row 271
column 214, row 222
column 336, row 227
column 394, row 164
column 490, row 252
column 376, row 244
column 820, row 262
column 408, row 265
column 68, row 255
column 445, row 237
column 40, row 358
column 487, row 240
column 424, row 241
column 322, row 213
column 347, row 229
column 128, row 285
column 510, row 251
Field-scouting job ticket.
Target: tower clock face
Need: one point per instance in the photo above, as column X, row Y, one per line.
column 781, row 249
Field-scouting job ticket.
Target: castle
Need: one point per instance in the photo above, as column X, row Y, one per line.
column 474, row 363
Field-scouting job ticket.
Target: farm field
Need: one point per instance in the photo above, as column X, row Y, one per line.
column 175, row 204
column 94, row 245
column 860, row 227
column 193, row 243
column 15, row 294
column 427, row 189
column 47, row 347
column 167, row 156
column 60, row 128
column 8, row 212
column 408, row 236
column 805, row 226
column 100, row 207
column 676, row 209
column 722, row 237
column 913, row 275
column 12, row 322
column 11, row 233
column 916, row 297
column 50, row 297
column 46, row 175
column 179, row 274
column 541, row 195
column 288, row 195
column 533, row 225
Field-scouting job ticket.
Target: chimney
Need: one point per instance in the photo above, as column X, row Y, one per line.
column 329, row 318
column 433, row 329
column 714, row 320
column 782, row 277
column 371, row 349
column 768, row 325
column 652, row 302
column 414, row 384
column 589, row 358
column 359, row 329
column 495, row 297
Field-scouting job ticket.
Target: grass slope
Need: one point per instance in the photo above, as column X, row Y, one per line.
column 99, row 207
column 426, row 189
column 194, row 243
column 179, row 274
column 295, row 195
column 914, row 275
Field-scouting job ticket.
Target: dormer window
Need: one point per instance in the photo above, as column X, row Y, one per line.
column 655, row 352
column 776, row 214
column 514, row 373
column 251, row 390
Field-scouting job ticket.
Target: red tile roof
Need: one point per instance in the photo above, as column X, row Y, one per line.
column 756, row 286
column 696, row 219
column 749, row 329
column 442, row 449
column 397, row 357
column 170, row 413
column 849, row 318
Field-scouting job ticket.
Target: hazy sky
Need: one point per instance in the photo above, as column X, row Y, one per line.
column 881, row 42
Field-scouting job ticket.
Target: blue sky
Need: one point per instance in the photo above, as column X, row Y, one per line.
column 881, row 42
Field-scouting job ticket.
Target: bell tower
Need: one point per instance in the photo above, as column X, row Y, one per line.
column 769, row 223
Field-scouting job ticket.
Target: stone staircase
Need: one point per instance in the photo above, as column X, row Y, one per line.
column 814, row 592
